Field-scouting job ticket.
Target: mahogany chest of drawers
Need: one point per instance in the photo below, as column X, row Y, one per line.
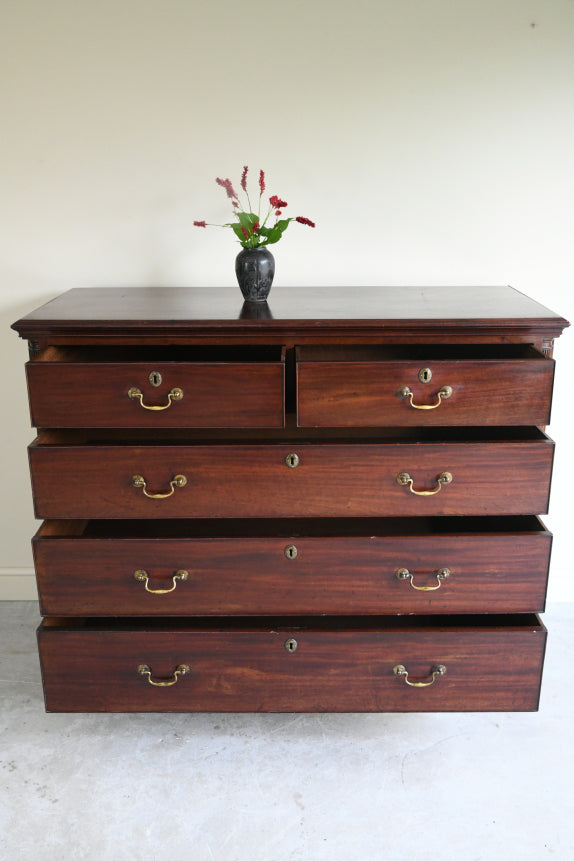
column 324, row 503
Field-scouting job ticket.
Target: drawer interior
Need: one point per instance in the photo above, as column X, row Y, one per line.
column 418, row 352
column 406, row 624
column 156, row 354
column 285, row 435
column 295, row 528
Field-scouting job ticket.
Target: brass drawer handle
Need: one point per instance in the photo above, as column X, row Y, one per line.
column 143, row 576
column 401, row 671
column 177, row 481
column 442, row 394
column 181, row 670
column 404, row 479
column 441, row 574
column 135, row 394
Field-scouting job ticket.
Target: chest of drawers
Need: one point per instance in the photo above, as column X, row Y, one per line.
column 325, row 503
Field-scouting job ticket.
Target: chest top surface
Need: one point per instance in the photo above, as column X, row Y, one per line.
column 156, row 311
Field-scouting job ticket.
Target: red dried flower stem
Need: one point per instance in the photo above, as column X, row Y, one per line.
column 244, row 184
column 261, row 190
column 275, row 206
column 209, row 224
column 227, row 185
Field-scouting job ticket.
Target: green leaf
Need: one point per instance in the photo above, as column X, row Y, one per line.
column 238, row 232
column 247, row 220
column 275, row 233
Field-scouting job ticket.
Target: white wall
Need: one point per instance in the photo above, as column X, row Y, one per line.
column 431, row 140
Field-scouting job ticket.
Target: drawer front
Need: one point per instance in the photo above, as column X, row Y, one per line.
column 214, row 395
column 293, row 574
column 374, row 394
column 333, row 480
column 486, row 669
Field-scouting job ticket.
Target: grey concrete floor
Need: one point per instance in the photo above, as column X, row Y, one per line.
column 470, row 787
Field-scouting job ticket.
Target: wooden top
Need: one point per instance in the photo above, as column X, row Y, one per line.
column 172, row 311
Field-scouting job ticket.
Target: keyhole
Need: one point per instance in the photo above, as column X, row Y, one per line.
column 292, row 460
column 155, row 378
column 291, row 551
column 425, row 375
column 291, row 645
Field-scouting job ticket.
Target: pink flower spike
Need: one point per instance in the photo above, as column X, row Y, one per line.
column 276, row 202
column 256, row 227
column 200, row 224
column 226, row 184
column 244, row 178
column 306, row 221
column 245, row 232
column 261, row 181
column 278, row 212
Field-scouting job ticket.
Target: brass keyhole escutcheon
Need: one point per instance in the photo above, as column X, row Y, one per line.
column 155, row 379
column 291, row 551
column 425, row 375
column 291, row 645
column 292, row 460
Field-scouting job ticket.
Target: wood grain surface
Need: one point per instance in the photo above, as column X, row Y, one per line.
column 493, row 568
column 94, row 394
column 489, row 667
column 365, row 393
column 331, row 480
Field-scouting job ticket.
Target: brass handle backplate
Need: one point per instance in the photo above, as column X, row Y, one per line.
column 443, row 394
column 181, row 670
column 401, row 671
column 441, row 574
column 135, row 394
column 404, row 479
column 143, row 576
column 177, row 481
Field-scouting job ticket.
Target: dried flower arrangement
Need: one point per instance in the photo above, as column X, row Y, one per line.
column 249, row 229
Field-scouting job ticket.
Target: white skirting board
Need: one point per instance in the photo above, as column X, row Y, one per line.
column 18, row 584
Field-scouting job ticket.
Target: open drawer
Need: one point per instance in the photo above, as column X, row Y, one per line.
column 157, row 387
column 492, row 384
column 438, row 664
column 435, row 471
column 266, row 567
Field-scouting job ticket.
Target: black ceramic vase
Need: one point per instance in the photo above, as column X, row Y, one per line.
column 255, row 268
